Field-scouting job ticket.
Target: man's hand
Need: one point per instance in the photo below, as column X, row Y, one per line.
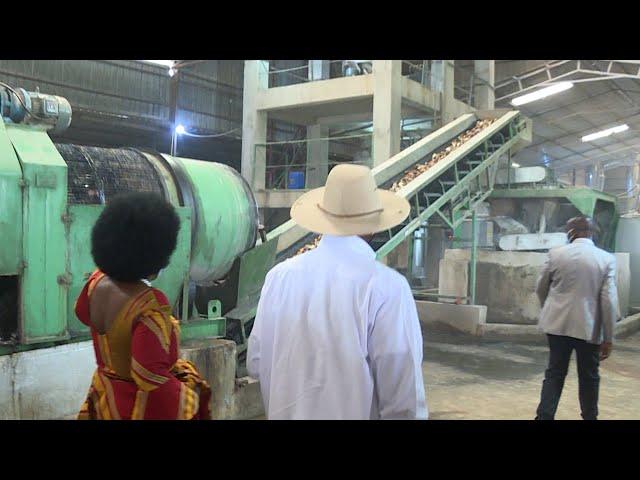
column 605, row 350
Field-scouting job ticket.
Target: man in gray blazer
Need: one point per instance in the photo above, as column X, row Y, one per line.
column 578, row 294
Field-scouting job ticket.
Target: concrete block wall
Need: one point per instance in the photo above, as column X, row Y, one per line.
column 7, row 407
column 506, row 283
column 453, row 278
column 216, row 362
column 45, row 384
column 471, row 320
column 468, row 319
column 623, row 281
column 509, row 291
column 52, row 383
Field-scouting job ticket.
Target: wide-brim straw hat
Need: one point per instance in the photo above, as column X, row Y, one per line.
column 349, row 204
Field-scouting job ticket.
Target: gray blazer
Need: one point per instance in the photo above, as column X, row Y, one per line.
column 577, row 291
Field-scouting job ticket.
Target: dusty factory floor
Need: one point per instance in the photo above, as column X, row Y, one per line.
column 474, row 380
column 470, row 379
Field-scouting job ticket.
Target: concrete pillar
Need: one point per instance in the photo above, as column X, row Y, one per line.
column 319, row 69
column 387, row 102
column 317, row 156
column 254, row 124
column 484, row 95
column 448, row 82
column 442, row 81
column 436, row 76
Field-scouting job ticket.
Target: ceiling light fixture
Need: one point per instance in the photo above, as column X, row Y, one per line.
column 542, row 93
column 170, row 64
column 514, row 164
column 605, row 133
column 162, row 63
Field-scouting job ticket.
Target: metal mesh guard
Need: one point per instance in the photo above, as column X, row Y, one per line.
column 96, row 175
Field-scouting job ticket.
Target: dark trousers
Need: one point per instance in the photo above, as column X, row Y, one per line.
column 588, row 357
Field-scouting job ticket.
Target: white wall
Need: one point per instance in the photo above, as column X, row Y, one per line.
column 50, row 383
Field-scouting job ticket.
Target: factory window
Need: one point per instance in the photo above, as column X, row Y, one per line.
column 8, row 309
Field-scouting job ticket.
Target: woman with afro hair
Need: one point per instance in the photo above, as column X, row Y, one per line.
column 135, row 336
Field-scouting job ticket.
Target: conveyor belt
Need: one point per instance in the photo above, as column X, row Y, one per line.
column 450, row 187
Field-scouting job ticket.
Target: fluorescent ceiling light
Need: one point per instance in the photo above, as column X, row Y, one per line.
column 162, row 63
column 605, row 133
column 514, row 164
column 542, row 93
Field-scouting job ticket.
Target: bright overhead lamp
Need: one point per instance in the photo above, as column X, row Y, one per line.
column 514, row 164
column 542, row 93
column 170, row 64
column 605, row 133
column 162, row 63
column 180, row 130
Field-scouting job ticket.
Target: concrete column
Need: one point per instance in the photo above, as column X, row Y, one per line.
column 442, row 81
column 319, row 69
column 317, row 151
column 254, row 124
column 317, row 156
column 448, row 82
column 387, row 102
column 484, row 95
column 436, row 76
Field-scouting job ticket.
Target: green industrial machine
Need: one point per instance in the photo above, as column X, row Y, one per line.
column 50, row 197
column 544, row 208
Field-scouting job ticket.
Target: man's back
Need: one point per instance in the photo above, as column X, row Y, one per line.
column 578, row 293
column 337, row 337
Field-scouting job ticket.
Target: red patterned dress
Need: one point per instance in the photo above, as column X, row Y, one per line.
column 139, row 374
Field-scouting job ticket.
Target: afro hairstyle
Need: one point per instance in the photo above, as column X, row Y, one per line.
column 134, row 236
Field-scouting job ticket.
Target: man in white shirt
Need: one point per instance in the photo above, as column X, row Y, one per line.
column 336, row 334
column 577, row 291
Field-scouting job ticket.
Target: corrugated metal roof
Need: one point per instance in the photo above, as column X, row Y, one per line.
column 211, row 102
column 560, row 121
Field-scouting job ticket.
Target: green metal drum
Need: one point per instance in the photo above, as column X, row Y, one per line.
column 225, row 216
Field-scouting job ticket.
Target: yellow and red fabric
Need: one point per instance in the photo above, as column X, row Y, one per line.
column 139, row 374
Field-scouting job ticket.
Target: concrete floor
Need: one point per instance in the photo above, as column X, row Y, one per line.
column 478, row 380
column 471, row 379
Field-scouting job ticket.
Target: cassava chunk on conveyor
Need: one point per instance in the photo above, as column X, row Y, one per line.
column 420, row 168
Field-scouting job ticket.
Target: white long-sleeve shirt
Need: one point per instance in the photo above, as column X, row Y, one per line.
column 337, row 336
